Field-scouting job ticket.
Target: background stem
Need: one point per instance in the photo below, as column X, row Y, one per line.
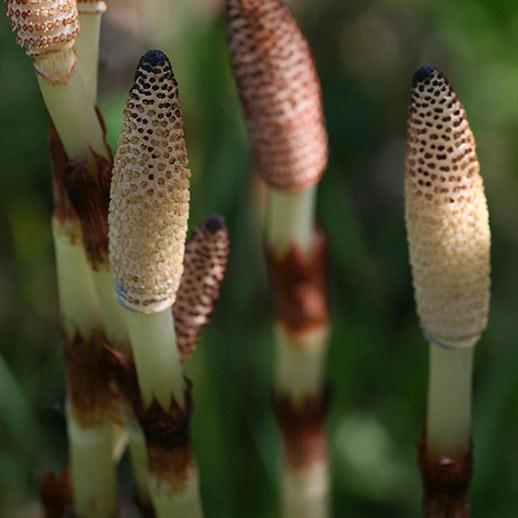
column 94, row 481
column 300, row 363
column 290, row 220
column 87, row 44
column 185, row 503
column 306, row 492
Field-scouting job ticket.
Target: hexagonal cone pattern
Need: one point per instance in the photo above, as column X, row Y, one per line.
column 280, row 92
column 205, row 260
column 149, row 204
column 43, row 26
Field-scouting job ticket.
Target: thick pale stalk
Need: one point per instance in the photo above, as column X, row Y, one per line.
column 300, row 363
column 139, row 463
column 115, row 328
column 156, row 357
column 87, row 44
column 306, row 492
column 448, row 423
column 77, row 298
column 94, row 483
column 289, row 220
column 120, row 440
column 185, row 503
column 71, row 108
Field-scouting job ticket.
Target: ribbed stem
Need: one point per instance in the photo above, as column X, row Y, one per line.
column 306, row 492
column 74, row 117
column 300, row 362
column 290, row 220
column 153, row 342
column 77, row 298
column 290, row 242
column 94, row 483
column 112, row 314
column 445, row 457
column 139, row 463
column 448, row 423
column 185, row 503
column 87, row 44
column 120, row 440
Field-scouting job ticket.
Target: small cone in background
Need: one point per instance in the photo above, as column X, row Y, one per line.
column 43, row 26
column 280, row 93
column 206, row 253
column 446, row 215
column 149, row 205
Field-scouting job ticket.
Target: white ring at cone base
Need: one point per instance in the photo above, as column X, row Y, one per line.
column 453, row 345
column 157, row 307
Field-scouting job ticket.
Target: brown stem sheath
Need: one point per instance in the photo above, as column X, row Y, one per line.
column 63, row 210
column 445, row 483
column 91, row 393
column 90, row 198
column 56, row 495
column 167, row 432
column 303, row 429
column 298, row 282
column 80, row 195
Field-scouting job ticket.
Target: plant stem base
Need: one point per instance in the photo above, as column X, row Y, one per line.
column 445, row 484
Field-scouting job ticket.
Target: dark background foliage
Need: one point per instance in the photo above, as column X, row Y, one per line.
column 366, row 52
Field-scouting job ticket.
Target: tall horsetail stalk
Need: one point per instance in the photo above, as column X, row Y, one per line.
column 87, row 43
column 449, row 243
column 149, row 209
column 281, row 97
column 205, row 260
column 81, row 167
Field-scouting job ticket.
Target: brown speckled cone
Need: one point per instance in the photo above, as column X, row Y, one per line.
column 446, row 214
column 205, row 260
column 43, row 26
column 149, row 204
column 280, row 92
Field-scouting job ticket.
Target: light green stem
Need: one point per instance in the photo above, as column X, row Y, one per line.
column 138, row 455
column 77, row 298
column 112, row 314
column 87, row 48
column 185, row 503
column 290, row 220
column 300, row 362
column 93, row 474
column 448, row 423
column 306, row 491
column 156, row 357
column 73, row 113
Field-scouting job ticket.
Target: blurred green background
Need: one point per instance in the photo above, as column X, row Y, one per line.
column 366, row 52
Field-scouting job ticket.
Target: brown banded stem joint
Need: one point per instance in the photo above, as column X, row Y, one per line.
column 299, row 285
column 303, row 428
column 446, row 482
column 91, row 393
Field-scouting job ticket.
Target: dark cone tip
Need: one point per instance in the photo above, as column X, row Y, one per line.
column 423, row 73
column 214, row 223
column 152, row 58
